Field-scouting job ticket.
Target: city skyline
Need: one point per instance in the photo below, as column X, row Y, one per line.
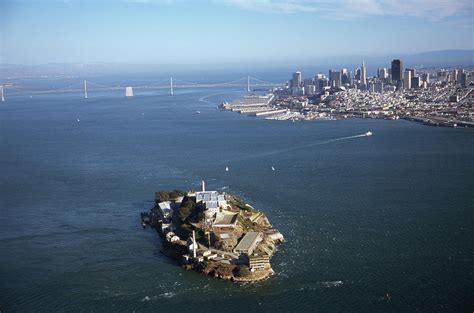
column 184, row 32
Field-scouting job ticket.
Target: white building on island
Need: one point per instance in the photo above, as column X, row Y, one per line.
column 165, row 209
column 212, row 200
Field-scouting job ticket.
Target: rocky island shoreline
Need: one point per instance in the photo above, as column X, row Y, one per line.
column 214, row 233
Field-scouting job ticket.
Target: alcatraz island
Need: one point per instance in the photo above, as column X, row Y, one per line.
column 214, row 233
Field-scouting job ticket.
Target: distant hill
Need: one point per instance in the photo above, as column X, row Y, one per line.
column 441, row 58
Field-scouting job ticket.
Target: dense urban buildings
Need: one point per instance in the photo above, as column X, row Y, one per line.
column 434, row 96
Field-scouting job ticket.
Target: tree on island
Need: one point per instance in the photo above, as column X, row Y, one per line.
column 241, row 271
column 167, row 195
column 184, row 213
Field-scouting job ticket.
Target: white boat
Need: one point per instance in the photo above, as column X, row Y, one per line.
column 226, row 169
column 273, row 168
column 198, row 112
column 369, row 133
column 78, row 120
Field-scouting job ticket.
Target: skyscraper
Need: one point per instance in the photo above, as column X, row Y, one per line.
column 307, row 82
column 320, row 81
column 412, row 71
column 407, row 79
column 334, row 78
column 345, row 77
column 363, row 74
column 357, row 73
column 426, row 78
column 382, row 73
column 296, row 81
column 415, row 82
column 397, row 70
column 455, row 74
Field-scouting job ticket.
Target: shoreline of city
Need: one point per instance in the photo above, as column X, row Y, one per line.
column 435, row 97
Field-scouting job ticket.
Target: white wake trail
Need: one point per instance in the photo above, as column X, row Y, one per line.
column 203, row 98
column 279, row 151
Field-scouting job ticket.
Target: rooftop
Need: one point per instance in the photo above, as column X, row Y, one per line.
column 225, row 219
column 247, row 241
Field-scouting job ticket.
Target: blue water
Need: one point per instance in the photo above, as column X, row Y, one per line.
column 363, row 216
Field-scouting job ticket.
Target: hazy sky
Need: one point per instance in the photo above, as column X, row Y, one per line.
column 166, row 31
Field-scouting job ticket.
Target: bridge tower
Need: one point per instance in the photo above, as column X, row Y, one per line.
column 1, row 91
column 248, row 84
column 171, row 86
column 85, row 89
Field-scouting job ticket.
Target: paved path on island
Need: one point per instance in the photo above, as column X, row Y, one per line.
column 233, row 255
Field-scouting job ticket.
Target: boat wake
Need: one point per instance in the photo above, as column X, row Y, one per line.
column 205, row 97
column 321, row 284
column 289, row 149
column 330, row 284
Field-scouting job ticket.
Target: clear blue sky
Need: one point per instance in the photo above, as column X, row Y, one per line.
column 166, row 31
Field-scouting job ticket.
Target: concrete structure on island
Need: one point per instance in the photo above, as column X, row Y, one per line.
column 248, row 243
column 213, row 201
column 165, row 209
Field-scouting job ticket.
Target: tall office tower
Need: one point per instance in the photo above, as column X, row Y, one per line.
column 382, row 73
column 307, row 82
column 323, row 82
column 412, row 71
column 296, row 80
column 459, row 77
column 357, row 73
column 455, row 74
column 345, row 76
column 378, row 87
column 464, row 79
column 426, row 78
column 397, row 70
column 334, row 78
column 415, row 82
column 309, row 90
column 407, row 80
column 317, row 80
column 363, row 74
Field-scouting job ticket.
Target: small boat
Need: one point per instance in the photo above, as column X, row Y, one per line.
column 198, row 112
column 273, row 169
column 78, row 120
column 226, row 168
column 369, row 133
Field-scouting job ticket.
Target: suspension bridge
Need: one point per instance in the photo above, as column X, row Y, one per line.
column 86, row 87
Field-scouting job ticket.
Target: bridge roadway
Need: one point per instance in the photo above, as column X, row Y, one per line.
column 92, row 86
